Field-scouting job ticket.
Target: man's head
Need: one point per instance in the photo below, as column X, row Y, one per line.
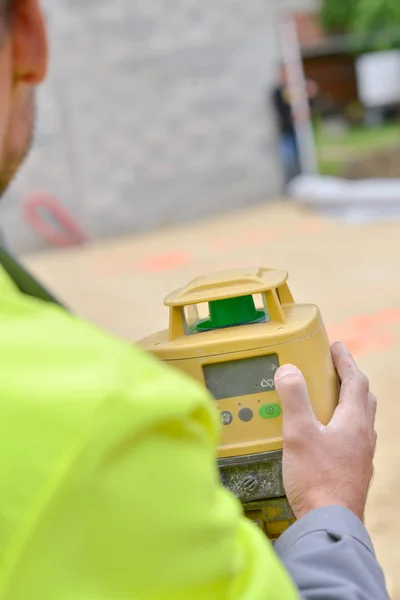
column 23, row 63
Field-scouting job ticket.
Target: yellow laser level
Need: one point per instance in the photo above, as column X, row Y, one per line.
column 232, row 331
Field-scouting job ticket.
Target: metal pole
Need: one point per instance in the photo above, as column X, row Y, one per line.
column 298, row 93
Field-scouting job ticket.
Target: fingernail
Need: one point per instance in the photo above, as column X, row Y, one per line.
column 341, row 348
column 287, row 371
column 342, row 345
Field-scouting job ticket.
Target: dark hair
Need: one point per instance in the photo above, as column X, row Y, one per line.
column 5, row 7
column 5, row 11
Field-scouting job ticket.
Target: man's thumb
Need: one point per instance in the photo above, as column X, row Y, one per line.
column 292, row 391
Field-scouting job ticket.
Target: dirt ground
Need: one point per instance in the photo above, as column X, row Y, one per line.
column 352, row 273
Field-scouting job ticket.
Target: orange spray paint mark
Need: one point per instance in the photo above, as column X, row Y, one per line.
column 367, row 333
column 165, row 262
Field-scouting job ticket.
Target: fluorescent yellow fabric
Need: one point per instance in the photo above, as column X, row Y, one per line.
column 108, row 483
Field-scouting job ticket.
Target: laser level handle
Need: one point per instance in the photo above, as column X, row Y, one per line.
column 269, row 283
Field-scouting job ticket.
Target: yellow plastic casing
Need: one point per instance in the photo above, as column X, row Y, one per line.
column 295, row 333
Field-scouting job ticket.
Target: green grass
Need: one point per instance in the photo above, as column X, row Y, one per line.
column 335, row 150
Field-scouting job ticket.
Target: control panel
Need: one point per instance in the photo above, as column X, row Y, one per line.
column 244, row 391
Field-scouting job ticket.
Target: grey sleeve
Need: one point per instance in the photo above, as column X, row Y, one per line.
column 330, row 556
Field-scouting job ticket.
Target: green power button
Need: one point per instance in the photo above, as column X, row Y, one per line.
column 270, row 411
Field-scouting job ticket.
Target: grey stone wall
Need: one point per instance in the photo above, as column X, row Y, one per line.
column 154, row 113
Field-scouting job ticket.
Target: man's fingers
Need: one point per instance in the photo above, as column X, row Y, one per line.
column 371, row 407
column 355, row 385
column 344, row 362
column 293, row 394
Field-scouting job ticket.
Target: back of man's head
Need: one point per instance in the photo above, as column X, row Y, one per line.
column 5, row 10
column 5, row 7
column 23, row 62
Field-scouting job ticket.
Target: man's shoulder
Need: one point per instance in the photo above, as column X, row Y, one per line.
column 64, row 354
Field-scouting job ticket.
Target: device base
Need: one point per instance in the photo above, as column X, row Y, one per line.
column 256, row 480
column 273, row 517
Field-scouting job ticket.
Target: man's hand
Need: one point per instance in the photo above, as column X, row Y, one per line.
column 333, row 465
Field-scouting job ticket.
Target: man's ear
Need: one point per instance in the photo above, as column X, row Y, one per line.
column 29, row 42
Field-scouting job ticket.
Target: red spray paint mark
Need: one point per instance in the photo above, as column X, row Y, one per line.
column 52, row 222
column 170, row 261
column 367, row 333
column 125, row 266
column 165, row 262
column 310, row 226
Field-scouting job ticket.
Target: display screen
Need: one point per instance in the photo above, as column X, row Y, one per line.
column 241, row 377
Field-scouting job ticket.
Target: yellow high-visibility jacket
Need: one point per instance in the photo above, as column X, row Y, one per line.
column 109, row 488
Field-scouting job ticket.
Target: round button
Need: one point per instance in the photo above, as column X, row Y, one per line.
column 270, row 411
column 246, row 415
column 226, row 417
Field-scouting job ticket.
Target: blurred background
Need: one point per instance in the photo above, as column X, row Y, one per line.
column 171, row 110
column 176, row 137
column 150, row 111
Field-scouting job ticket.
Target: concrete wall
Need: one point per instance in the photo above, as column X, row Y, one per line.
column 154, row 112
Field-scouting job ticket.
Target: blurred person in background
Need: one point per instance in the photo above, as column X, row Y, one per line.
column 109, row 487
column 287, row 110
